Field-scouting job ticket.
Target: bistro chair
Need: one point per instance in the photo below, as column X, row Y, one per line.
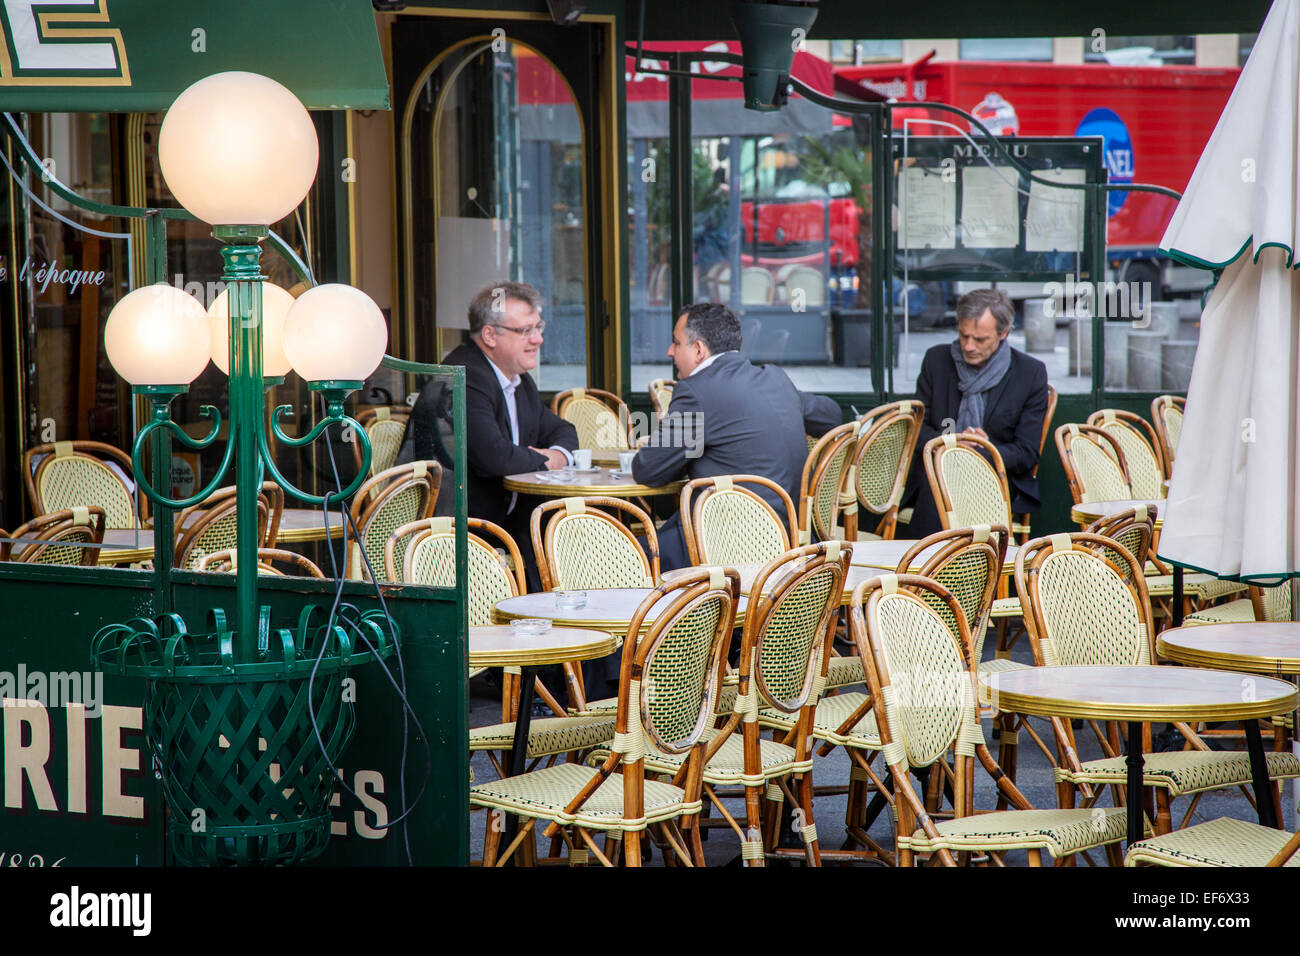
column 880, row 464
column 209, row 526
column 394, row 497
column 60, row 538
column 1094, row 462
column 661, row 394
column 1141, row 447
column 793, row 604
column 385, row 426
column 920, row 671
column 69, row 474
column 668, row 685
column 1263, row 603
column 601, row 418
column 270, row 561
column 1023, row 519
column 1167, row 415
column 1222, row 842
column 821, row 485
column 726, row 522
column 580, row 543
column 1081, row 609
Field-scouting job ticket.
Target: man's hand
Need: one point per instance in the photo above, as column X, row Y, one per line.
column 554, row 459
column 977, row 432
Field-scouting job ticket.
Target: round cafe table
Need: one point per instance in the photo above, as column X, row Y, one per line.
column 1088, row 512
column 748, row 572
column 1256, row 647
column 885, row 555
column 297, row 525
column 567, row 482
column 608, row 609
column 1142, row 694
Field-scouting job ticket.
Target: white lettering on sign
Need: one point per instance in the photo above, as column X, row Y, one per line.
column 128, row 910
column 61, row 40
column 43, row 274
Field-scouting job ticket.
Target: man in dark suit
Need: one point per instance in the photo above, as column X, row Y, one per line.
column 508, row 430
column 980, row 385
column 727, row 417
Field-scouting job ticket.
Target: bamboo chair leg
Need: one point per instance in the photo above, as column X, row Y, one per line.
column 1008, row 750
column 806, row 802
column 754, row 822
column 1035, row 857
column 492, row 839
column 1114, row 857
column 632, row 848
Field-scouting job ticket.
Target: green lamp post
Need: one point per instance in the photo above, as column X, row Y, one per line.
column 243, row 718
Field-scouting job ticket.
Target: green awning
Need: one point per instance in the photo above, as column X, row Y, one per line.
column 120, row 56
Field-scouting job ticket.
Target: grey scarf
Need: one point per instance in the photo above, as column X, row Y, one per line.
column 974, row 383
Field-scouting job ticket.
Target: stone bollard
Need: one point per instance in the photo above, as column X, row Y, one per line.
column 1176, row 359
column 1164, row 319
column 1116, row 367
column 1144, row 359
column 1080, row 346
column 1040, row 328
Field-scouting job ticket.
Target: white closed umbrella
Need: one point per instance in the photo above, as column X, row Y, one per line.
column 1231, row 504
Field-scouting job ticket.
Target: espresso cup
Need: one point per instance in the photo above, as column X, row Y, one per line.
column 625, row 461
column 582, row 459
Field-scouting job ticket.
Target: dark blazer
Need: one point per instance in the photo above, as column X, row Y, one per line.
column 735, row 418
column 1013, row 419
column 488, row 444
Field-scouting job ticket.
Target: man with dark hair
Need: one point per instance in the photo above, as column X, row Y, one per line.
column 980, row 385
column 727, row 417
column 508, row 429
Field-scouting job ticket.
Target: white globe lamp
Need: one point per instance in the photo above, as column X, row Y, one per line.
column 158, row 336
column 335, row 333
column 276, row 303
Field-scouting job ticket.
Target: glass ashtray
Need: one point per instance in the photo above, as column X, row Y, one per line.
column 570, row 600
column 530, row 627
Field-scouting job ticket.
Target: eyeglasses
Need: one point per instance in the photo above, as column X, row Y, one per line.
column 527, row 331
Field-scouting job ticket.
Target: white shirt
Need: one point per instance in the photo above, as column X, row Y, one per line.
column 508, row 387
column 709, row 361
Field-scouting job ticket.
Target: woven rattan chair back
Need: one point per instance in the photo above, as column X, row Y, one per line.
column 60, row 538
column 917, row 667
column 968, row 562
column 1272, row 603
column 210, row 525
column 1079, row 607
column 270, row 561
column 724, row 521
column 431, row 559
column 1141, row 447
column 601, row 418
column 794, row 601
column 670, row 678
column 1095, row 464
column 580, row 543
column 1134, row 529
column 71, row 474
column 406, row 493
column 385, row 426
column 883, row 457
column 968, row 481
column 822, row 482
column 1167, row 416
column 661, row 394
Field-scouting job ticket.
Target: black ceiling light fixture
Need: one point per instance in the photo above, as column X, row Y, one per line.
column 566, row 12
column 769, row 35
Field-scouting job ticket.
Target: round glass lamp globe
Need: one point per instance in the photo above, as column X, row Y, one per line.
column 276, row 303
column 335, row 333
column 158, row 335
column 238, row 149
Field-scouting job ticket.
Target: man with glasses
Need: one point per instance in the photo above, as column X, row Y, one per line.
column 508, row 429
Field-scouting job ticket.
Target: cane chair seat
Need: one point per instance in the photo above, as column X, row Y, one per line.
column 59, row 538
column 388, row 500
column 600, row 418
column 1005, row 607
column 1000, row 665
column 1183, row 771
column 1239, row 611
column 1203, row 587
column 727, row 766
column 829, row 717
column 69, row 474
column 844, row 671
column 547, row 735
column 544, row 794
column 1222, row 842
column 1059, row 832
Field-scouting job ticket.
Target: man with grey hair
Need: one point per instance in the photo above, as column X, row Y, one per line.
column 979, row 385
column 727, row 417
column 507, row 428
